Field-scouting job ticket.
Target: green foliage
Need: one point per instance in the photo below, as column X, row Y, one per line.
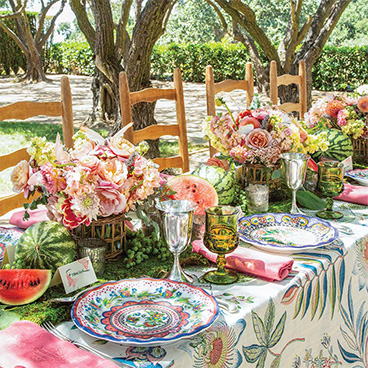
column 340, row 67
column 11, row 57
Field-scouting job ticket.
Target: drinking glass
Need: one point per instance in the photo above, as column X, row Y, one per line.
column 177, row 219
column 221, row 237
column 294, row 167
column 330, row 184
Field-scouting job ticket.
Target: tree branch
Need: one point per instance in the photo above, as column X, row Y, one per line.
column 14, row 37
column 43, row 40
column 15, row 14
column 122, row 35
column 219, row 14
column 244, row 16
column 84, row 24
column 43, row 14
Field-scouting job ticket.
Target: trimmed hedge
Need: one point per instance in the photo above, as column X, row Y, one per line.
column 336, row 69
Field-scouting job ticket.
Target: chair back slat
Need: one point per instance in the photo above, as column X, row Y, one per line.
column 24, row 110
column 286, row 79
column 228, row 85
column 127, row 99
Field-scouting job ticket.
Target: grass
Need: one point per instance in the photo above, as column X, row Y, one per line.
column 15, row 135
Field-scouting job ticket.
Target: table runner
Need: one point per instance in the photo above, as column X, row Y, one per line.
column 316, row 317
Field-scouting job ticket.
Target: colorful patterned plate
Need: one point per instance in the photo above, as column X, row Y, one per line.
column 360, row 175
column 283, row 232
column 144, row 311
column 8, row 236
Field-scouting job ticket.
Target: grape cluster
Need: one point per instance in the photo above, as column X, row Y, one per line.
column 15, row 265
column 141, row 246
column 240, row 198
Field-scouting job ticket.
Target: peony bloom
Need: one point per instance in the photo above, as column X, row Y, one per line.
column 214, row 161
column 113, row 171
column 258, row 138
column 363, row 104
column 111, row 200
column 120, row 146
column 341, row 118
column 333, row 107
column 90, row 162
column 20, row 176
column 82, row 148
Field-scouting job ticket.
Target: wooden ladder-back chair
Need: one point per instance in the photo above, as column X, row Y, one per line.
column 24, row 110
column 228, row 85
column 285, row 80
column 127, row 99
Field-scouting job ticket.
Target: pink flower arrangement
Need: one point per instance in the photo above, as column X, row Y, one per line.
column 258, row 135
column 98, row 178
column 349, row 113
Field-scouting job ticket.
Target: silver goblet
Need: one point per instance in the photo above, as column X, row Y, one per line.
column 177, row 219
column 294, row 168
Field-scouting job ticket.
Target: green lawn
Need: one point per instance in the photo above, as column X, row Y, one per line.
column 15, row 135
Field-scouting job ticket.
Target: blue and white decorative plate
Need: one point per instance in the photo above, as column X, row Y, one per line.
column 286, row 233
column 144, row 311
column 359, row 175
column 8, row 236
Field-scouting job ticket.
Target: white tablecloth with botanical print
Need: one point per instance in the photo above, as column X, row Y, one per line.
column 316, row 317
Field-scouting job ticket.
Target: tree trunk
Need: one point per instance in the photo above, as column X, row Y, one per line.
column 35, row 72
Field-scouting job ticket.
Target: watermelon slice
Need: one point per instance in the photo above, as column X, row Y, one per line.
column 195, row 189
column 23, row 286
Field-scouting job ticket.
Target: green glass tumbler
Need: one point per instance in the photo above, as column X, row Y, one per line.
column 221, row 237
column 330, row 184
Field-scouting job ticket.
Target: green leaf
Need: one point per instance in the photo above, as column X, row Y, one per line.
column 7, row 318
column 277, row 333
column 276, row 362
column 258, row 328
column 253, row 352
column 315, row 299
column 276, row 174
column 332, row 291
column 269, row 319
column 309, row 200
column 262, row 359
column 298, row 302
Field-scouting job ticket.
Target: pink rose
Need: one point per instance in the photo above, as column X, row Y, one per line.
column 20, row 176
column 258, row 138
column 111, row 200
column 120, row 146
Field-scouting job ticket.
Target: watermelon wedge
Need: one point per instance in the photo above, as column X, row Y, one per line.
column 19, row 287
column 195, row 189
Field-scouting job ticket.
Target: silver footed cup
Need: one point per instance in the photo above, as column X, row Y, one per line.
column 294, row 168
column 177, row 220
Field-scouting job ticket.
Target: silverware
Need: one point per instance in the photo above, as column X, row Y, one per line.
column 48, row 326
column 71, row 299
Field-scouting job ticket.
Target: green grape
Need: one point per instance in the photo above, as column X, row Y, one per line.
column 7, row 266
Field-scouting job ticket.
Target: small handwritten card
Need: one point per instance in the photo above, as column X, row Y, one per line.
column 76, row 274
column 348, row 164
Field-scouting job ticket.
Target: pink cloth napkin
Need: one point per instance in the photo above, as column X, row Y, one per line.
column 261, row 264
column 26, row 345
column 354, row 194
column 35, row 216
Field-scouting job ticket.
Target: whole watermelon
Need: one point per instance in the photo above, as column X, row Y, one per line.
column 223, row 181
column 340, row 146
column 45, row 245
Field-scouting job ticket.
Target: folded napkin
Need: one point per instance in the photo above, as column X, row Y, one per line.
column 34, row 216
column 354, row 194
column 27, row 345
column 261, row 264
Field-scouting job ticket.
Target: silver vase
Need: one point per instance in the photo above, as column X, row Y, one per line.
column 294, row 168
column 176, row 220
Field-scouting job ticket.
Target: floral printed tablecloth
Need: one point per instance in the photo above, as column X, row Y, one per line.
column 316, row 317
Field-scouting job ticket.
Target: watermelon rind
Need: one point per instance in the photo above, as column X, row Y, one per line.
column 203, row 194
column 18, row 287
column 223, row 181
column 45, row 245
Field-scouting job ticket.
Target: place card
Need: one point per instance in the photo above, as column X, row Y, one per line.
column 75, row 275
column 348, row 164
column 9, row 255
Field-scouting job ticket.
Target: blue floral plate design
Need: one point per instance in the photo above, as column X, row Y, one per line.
column 144, row 311
column 286, row 233
column 359, row 175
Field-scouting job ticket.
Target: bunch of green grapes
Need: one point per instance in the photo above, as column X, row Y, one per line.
column 140, row 247
column 240, row 198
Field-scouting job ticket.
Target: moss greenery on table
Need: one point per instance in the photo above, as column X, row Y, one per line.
column 146, row 256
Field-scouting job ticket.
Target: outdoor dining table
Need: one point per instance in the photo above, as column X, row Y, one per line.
column 316, row 317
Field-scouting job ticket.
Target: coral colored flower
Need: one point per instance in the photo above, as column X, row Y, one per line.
column 363, row 104
column 20, row 176
column 111, row 200
column 333, row 107
column 258, row 138
column 249, row 120
column 214, row 161
column 114, row 171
